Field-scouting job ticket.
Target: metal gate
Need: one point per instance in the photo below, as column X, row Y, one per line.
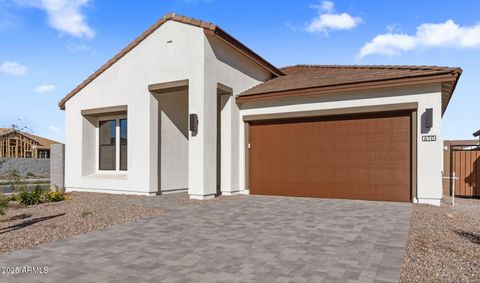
column 465, row 162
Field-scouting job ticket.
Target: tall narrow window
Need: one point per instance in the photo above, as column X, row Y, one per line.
column 107, row 156
column 123, row 144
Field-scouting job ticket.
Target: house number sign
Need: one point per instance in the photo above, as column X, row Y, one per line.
column 429, row 138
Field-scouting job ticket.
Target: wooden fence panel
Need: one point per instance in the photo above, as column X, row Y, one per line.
column 466, row 165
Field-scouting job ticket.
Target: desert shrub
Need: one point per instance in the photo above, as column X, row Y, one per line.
column 3, row 204
column 38, row 195
column 30, row 174
column 11, row 197
column 55, row 196
column 55, row 188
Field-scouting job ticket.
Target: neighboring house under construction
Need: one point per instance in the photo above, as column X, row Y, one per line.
column 18, row 144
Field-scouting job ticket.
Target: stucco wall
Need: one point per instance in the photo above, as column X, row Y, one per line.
column 429, row 154
column 173, row 52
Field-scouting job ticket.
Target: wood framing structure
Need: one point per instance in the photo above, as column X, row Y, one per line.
column 18, row 144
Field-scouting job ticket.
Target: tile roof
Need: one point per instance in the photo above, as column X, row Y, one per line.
column 308, row 76
column 209, row 28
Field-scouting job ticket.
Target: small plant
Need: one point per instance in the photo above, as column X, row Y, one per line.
column 11, row 197
column 30, row 174
column 3, row 204
column 38, row 195
column 55, row 196
column 85, row 213
column 55, row 188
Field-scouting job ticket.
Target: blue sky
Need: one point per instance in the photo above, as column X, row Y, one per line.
column 47, row 47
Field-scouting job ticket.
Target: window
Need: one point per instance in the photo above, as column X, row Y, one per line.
column 43, row 154
column 107, row 145
column 123, row 144
column 113, row 137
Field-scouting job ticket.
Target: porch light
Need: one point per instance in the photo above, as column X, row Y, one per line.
column 193, row 123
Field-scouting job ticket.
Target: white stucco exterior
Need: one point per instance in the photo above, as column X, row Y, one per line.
column 174, row 52
column 164, row 156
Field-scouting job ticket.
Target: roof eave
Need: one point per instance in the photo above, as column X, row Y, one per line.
column 354, row 86
column 457, row 72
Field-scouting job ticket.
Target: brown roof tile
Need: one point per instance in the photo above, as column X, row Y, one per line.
column 309, row 76
column 213, row 30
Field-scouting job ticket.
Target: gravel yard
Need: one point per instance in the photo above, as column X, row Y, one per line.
column 27, row 226
column 444, row 243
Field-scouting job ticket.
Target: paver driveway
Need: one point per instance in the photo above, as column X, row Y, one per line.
column 250, row 238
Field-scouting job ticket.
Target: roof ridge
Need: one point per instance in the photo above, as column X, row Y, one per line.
column 391, row 67
column 188, row 20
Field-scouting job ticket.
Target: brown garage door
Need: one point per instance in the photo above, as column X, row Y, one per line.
column 354, row 157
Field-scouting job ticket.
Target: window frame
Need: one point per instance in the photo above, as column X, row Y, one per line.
column 120, row 144
column 117, row 119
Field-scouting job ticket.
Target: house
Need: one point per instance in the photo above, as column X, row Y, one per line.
column 19, row 144
column 187, row 107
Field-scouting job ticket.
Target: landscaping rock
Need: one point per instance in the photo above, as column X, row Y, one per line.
column 27, row 226
column 444, row 243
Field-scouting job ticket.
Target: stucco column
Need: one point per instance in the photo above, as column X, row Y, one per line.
column 202, row 144
column 229, row 144
column 153, row 145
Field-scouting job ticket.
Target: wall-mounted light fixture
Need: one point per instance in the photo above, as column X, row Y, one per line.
column 429, row 118
column 193, row 123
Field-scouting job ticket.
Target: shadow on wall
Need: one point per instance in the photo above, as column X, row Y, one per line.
column 173, row 106
column 236, row 60
column 173, row 140
column 474, row 178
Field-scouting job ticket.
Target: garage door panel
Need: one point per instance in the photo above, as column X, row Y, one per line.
column 362, row 157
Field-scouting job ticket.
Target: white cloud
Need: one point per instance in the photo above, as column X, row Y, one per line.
column 53, row 129
column 13, row 68
column 442, row 35
column 327, row 6
column 44, row 88
column 64, row 16
column 327, row 20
